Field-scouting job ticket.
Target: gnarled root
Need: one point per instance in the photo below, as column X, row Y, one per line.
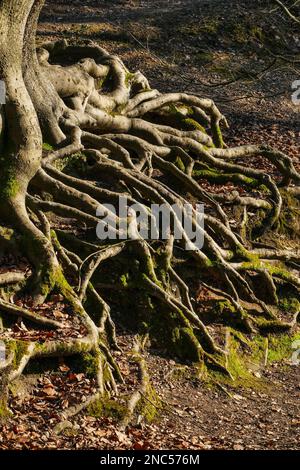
column 119, row 138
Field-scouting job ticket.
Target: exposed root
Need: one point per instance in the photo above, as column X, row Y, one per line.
column 142, row 389
column 116, row 137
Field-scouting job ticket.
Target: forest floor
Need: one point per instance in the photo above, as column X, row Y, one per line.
column 224, row 53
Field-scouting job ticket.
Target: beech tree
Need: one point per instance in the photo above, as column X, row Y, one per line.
column 79, row 130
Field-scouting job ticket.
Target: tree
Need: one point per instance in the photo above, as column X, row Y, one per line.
column 78, row 131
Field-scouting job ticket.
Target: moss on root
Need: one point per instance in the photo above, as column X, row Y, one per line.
column 18, row 348
column 280, row 347
column 75, row 164
column 5, row 412
column 85, row 362
column 247, row 357
column 106, row 406
column 215, row 176
column 47, row 147
column 185, row 344
column 9, row 185
column 289, row 304
column 217, row 136
column 150, row 404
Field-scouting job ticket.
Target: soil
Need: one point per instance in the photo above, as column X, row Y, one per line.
column 223, row 52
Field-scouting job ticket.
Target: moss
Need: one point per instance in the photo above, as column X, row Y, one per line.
column 217, row 135
column 65, row 348
column 288, row 223
column 54, row 278
column 240, row 365
column 73, row 164
column 5, row 413
column 240, row 33
column 105, row 406
column 100, row 82
column 280, row 347
column 150, row 404
column 193, row 125
column 124, row 279
column 209, row 26
column 19, row 349
column 90, row 364
column 9, row 185
column 289, row 304
column 47, row 146
column 246, row 356
column 214, row 176
column 185, row 344
column 129, row 76
column 225, row 305
column 182, row 117
column 269, row 326
column 257, row 32
column 179, row 163
column 204, row 57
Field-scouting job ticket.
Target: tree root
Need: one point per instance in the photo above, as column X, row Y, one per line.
column 130, row 140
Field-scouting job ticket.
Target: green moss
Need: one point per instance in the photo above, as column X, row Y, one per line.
column 193, row 125
column 100, row 82
column 129, row 76
column 54, row 278
column 257, row 32
column 5, row 413
column 278, row 346
column 182, row 117
column 240, row 363
column 47, row 146
column 18, row 348
column 179, row 163
column 90, row 364
column 185, row 344
column 204, row 57
column 208, row 26
column 289, row 304
column 225, row 305
column 240, row 33
column 217, row 135
column 9, row 185
column 73, row 164
column 65, row 348
column 105, row 406
column 288, row 223
column 150, row 404
column 223, row 312
column 270, row 326
column 246, row 356
column 125, row 279
column 217, row 177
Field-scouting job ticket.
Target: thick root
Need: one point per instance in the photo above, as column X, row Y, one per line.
column 123, row 139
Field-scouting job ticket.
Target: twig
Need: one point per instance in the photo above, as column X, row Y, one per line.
column 287, row 11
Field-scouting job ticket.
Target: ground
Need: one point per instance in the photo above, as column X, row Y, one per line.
column 195, row 51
